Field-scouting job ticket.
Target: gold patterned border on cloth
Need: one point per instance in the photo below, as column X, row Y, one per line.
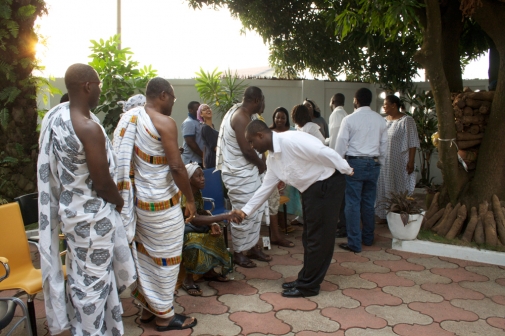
column 140, row 297
column 152, row 135
column 151, row 159
column 157, row 206
column 159, row 261
column 123, row 185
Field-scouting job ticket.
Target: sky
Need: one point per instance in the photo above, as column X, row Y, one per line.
column 167, row 34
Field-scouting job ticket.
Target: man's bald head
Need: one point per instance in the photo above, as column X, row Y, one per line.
column 79, row 73
column 252, row 93
column 156, row 86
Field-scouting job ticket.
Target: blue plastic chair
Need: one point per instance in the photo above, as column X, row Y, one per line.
column 213, row 196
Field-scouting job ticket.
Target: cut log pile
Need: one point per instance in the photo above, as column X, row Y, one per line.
column 471, row 111
column 483, row 225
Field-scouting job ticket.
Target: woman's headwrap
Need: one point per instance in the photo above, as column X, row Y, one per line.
column 191, row 168
column 199, row 112
column 133, row 101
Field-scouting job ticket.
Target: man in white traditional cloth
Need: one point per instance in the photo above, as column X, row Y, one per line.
column 77, row 194
column 241, row 168
column 150, row 175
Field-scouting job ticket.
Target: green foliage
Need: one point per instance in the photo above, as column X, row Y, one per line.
column 220, row 91
column 120, row 75
column 18, row 96
column 422, row 109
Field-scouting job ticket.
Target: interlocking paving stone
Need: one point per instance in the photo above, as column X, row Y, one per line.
column 298, row 248
column 337, row 269
column 124, row 295
column 299, row 257
column 459, row 274
column 260, row 273
column 249, row 303
column 424, row 330
column 39, row 308
column 423, row 277
column 277, row 251
column 42, row 329
column 350, row 281
column 327, row 286
column 478, row 328
column 452, row 291
column 399, row 265
column 129, row 307
column 388, row 279
column 484, row 308
column 462, row 263
column 214, row 325
column 366, row 267
column 287, row 270
column 334, row 299
column 488, row 288
column 387, row 331
column 412, row 294
column 379, row 255
column 204, row 286
column 374, row 247
column 407, row 255
column 500, row 281
column 399, row 314
column 319, row 333
column 262, row 323
column 443, row 311
column 349, row 257
column 303, row 320
column 201, row 304
column 354, row 318
column 267, row 286
column 376, row 296
column 496, row 322
column 150, row 330
column 286, row 260
column 433, row 262
column 279, row 302
column 234, row 287
column 500, row 299
column 492, row 272
column 131, row 328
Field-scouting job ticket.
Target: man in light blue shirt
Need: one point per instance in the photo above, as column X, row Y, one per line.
column 363, row 141
column 191, row 130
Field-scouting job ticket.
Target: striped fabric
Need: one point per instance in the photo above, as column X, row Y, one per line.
column 152, row 213
column 242, row 179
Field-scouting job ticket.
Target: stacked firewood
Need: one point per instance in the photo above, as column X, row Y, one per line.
column 471, row 111
column 484, row 225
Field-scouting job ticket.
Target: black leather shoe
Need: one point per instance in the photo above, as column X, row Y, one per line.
column 346, row 247
column 341, row 234
column 289, row 285
column 295, row 293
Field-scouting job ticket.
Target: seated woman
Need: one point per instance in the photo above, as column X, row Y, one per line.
column 204, row 246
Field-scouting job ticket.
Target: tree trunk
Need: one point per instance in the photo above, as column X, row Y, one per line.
column 490, row 173
column 430, row 56
column 452, row 26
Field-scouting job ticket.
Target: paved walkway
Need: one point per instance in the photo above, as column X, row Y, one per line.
column 376, row 292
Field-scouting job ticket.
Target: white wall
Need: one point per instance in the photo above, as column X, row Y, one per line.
column 287, row 93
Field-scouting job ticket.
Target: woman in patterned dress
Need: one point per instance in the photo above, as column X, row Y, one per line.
column 397, row 174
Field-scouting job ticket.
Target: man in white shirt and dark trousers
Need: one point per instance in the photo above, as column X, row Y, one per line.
column 301, row 160
column 337, row 105
column 362, row 140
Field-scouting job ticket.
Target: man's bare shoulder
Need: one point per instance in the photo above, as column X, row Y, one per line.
column 161, row 122
column 86, row 129
column 240, row 118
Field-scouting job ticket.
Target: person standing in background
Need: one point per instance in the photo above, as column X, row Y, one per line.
column 191, row 130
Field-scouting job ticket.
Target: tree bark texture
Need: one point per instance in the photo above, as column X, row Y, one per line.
column 452, row 26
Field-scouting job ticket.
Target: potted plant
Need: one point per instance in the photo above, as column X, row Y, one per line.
column 404, row 215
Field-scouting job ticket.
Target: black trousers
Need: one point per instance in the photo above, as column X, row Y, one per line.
column 341, row 226
column 321, row 209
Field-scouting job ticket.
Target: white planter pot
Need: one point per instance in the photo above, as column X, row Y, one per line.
column 404, row 232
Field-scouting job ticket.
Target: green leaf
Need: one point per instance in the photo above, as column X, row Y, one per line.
column 4, row 118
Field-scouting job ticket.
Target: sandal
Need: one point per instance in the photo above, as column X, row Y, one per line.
column 243, row 261
column 193, row 290
column 283, row 243
column 148, row 320
column 216, row 277
column 259, row 255
column 177, row 323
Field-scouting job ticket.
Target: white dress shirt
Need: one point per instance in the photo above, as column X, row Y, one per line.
column 363, row 133
column 336, row 118
column 312, row 129
column 298, row 159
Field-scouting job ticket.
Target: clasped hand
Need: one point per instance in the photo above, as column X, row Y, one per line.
column 236, row 216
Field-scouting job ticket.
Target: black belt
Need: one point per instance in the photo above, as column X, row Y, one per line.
column 362, row 157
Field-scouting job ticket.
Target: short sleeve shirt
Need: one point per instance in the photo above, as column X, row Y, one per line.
column 193, row 128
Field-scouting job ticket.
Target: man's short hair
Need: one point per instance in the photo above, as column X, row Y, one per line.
column 79, row 73
column 156, row 86
column 64, row 98
column 191, row 103
column 338, row 99
column 363, row 96
column 257, row 126
column 252, row 93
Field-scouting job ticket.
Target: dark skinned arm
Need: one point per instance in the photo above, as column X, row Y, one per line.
column 239, row 122
column 93, row 140
column 203, row 220
column 191, row 141
column 412, row 158
column 167, row 130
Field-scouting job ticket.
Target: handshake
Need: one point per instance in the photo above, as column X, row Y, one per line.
column 236, row 216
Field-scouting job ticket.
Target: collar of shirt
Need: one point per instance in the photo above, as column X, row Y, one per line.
column 191, row 116
column 363, row 109
column 276, row 144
